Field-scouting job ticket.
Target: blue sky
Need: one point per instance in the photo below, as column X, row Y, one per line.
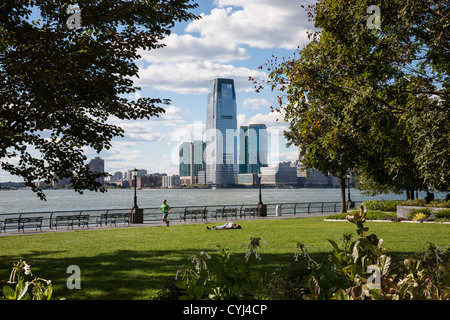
column 233, row 38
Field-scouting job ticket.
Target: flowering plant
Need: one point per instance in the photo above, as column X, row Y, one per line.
column 41, row 289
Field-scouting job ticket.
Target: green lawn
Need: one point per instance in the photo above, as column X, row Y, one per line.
column 132, row 263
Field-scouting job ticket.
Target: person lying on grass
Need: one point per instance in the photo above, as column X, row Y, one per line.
column 226, row 226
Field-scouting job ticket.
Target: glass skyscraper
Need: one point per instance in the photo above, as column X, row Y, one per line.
column 221, row 133
column 253, row 148
column 191, row 159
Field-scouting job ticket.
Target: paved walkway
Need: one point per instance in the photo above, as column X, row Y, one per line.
column 173, row 222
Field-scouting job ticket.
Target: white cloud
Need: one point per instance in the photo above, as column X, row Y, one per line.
column 257, row 23
column 189, row 62
column 193, row 77
column 182, row 48
column 172, row 114
column 271, row 119
column 255, row 103
column 140, row 130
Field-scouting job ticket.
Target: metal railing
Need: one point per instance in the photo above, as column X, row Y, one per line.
column 153, row 214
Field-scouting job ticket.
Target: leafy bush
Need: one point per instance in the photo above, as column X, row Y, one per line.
column 414, row 203
column 440, row 204
column 422, row 203
column 388, row 205
column 223, row 278
column 348, row 272
column 421, row 212
column 443, row 214
column 419, row 217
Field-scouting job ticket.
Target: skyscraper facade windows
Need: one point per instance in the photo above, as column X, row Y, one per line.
column 221, row 133
column 191, row 161
column 185, row 159
column 253, row 148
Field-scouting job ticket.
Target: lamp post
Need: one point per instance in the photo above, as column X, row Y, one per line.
column 262, row 208
column 350, row 203
column 260, row 196
column 135, row 172
column 136, row 214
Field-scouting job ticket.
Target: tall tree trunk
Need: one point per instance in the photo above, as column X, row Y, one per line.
column 343, row 202
column 410, row 194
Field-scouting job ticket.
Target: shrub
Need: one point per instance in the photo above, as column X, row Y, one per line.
column 425, row 212
column 422, row 203
column 419, row 216
column 443, row 214
column 440, row 204
column 388, row 205
column 361, row 269
column 222, row 278
column 414, row 203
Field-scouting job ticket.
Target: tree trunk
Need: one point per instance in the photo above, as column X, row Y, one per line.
column 343, row 202
column 410, row 194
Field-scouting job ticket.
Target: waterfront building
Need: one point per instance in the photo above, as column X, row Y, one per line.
column 58, row 182
column 185, row 159
column 253, row 148
column 279, row 174
column 221, row 129
column 313, row 178
column 172, row 181
column 118, row 175
column 148, row 180
column 248, row 179
column 98, row 165
column 191, row 162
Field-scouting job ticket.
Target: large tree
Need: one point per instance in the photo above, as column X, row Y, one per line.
column 61, row 80
column 383, row 90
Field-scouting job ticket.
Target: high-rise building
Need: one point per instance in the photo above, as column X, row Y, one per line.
column 221, row 130
column 172, row 181
column 191, row 161
column 280, row 174
column 118, row 175
column 185, row 159
column 98, row 165
column 253, row 148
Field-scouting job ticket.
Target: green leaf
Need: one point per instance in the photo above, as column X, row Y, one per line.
column 335, row 246
column 9, row 293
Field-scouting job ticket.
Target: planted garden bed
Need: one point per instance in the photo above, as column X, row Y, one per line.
column 402, row 211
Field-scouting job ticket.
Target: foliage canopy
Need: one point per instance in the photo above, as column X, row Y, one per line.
column 60, row 86
column 372, row 100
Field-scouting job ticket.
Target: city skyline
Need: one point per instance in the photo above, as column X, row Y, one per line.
column 196, row 52
column 213, row 47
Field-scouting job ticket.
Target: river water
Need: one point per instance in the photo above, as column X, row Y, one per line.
column 15, row 201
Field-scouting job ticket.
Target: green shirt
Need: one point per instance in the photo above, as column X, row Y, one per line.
column 165, row 208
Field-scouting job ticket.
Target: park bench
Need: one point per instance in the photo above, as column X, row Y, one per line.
column 112, row 218
column 21, row 223
column 224, row 213
column 70, row 220
column 252, row 212
column 193, row 214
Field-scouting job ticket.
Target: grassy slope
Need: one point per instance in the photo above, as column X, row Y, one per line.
column 132, row 263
